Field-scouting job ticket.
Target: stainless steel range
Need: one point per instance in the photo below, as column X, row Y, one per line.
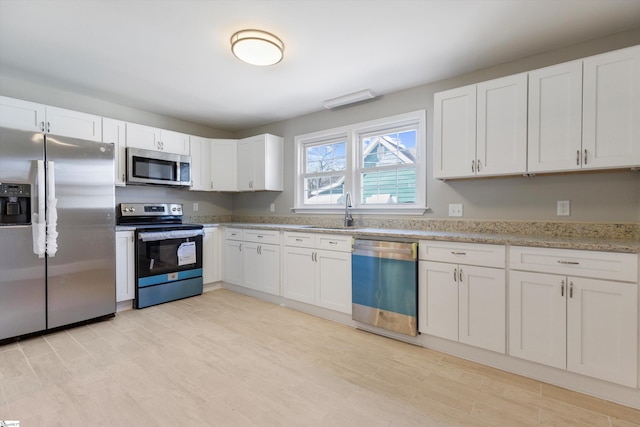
column 168, row 253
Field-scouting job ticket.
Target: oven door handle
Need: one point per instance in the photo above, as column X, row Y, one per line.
column 154, row 236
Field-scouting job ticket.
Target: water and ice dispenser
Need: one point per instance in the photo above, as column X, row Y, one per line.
column 15, row 204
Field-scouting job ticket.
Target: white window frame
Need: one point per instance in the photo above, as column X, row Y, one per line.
column 351, row 135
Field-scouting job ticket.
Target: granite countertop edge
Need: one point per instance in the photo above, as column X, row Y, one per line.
column 607, row 245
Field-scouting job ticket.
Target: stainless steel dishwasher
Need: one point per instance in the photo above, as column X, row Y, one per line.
column 385, row 285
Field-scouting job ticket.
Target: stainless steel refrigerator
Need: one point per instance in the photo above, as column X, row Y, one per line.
column 57, row 231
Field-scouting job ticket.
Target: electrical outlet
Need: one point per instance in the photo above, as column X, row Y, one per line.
column 564, row 208
column 455, row 209
column 272, row 207
column 195, row 207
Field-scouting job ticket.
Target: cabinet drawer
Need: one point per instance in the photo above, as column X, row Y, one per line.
column 463, row 253
column 334, row 242
column 261, row 236
column 233, row 233
column 601, row 265
column 302, row 240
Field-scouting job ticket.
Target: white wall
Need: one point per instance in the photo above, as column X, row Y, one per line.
column 595, row 197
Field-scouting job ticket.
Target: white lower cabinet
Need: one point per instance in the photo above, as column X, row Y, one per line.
column 232, row 268
column 261, row 267
column 125, row 266
column 586, row 325
column 252, row 259
column 211, row 255
column 317, row 270
column 463, row 302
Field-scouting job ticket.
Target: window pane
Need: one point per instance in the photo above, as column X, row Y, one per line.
column 393, row 148
column 327, row 190
column 325, row 158
column 389, row 186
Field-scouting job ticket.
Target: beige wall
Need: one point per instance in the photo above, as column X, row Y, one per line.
column 595, row 197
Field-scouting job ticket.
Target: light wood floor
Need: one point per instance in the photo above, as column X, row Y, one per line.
column 224, row 359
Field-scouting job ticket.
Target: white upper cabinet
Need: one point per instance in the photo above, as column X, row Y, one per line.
column 224, row 165
column 501, row 147
column 555, row 118
column 611, row 110
column 113, row 131
column 454, row 132
column 260, row 163
column 200, row 165
column 19, row 114
column 481, row 130
column 150, row 138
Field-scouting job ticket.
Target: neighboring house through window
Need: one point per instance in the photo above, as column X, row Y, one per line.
column 381, row 162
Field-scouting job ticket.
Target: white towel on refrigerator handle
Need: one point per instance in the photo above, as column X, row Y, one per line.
column 52, row 212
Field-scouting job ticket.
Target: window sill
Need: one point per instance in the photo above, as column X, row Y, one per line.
column 362, row 211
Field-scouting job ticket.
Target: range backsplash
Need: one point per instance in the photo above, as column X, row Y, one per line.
column 529, row 228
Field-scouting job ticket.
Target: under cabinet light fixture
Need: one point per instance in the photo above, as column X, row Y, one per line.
column 257, row 47
column 351, row 98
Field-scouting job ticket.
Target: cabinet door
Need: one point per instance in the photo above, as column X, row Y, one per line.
column 210, row 256
column 454, row 132
column 299, row 274
column 233, row 262
column 269, row 258
column 611, row 111
column 555, row 118
column 200, row 166
column 141, row 136
column 252, row 276
column 502, row 126
column 19, row 114
column 174, row 142
column 482, row 307
column 74, row 124
column 333, row 280
column 114, row 131
column 125, row 263
column 602, row 339
column 224, row 159
column 245, row 166
column 438, row 299
column 537, row 317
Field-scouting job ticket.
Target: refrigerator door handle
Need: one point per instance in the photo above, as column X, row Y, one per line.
column 38, row 224
column 52, row 211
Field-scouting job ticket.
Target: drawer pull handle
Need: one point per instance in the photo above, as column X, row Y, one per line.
column 569, row 262
column 562, row 289
column 455, row 274
column 298, row 240
column 333, row 243
column 460, row 275
column 260, row 237
column 458, row 253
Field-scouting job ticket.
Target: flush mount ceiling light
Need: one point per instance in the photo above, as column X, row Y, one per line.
column 257, row 47
column 352, row 98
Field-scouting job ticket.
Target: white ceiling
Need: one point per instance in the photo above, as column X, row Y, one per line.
column 173, row 57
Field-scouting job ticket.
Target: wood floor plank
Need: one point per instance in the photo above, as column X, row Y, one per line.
column 225, row 359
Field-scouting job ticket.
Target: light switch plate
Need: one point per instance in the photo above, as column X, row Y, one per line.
column 564, row 208
column 455, row 209
column 195, row 207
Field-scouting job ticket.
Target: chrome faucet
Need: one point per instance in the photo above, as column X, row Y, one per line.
column 348, row 219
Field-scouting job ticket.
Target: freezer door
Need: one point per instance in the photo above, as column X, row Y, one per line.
column 22, row 273
column 81, row 274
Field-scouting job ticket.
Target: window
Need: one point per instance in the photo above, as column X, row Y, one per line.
column 381, row 163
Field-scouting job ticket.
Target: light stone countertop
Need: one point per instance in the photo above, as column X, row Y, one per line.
column 592, row 244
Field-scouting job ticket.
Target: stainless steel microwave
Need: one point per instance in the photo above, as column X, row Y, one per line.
column 155, row 167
